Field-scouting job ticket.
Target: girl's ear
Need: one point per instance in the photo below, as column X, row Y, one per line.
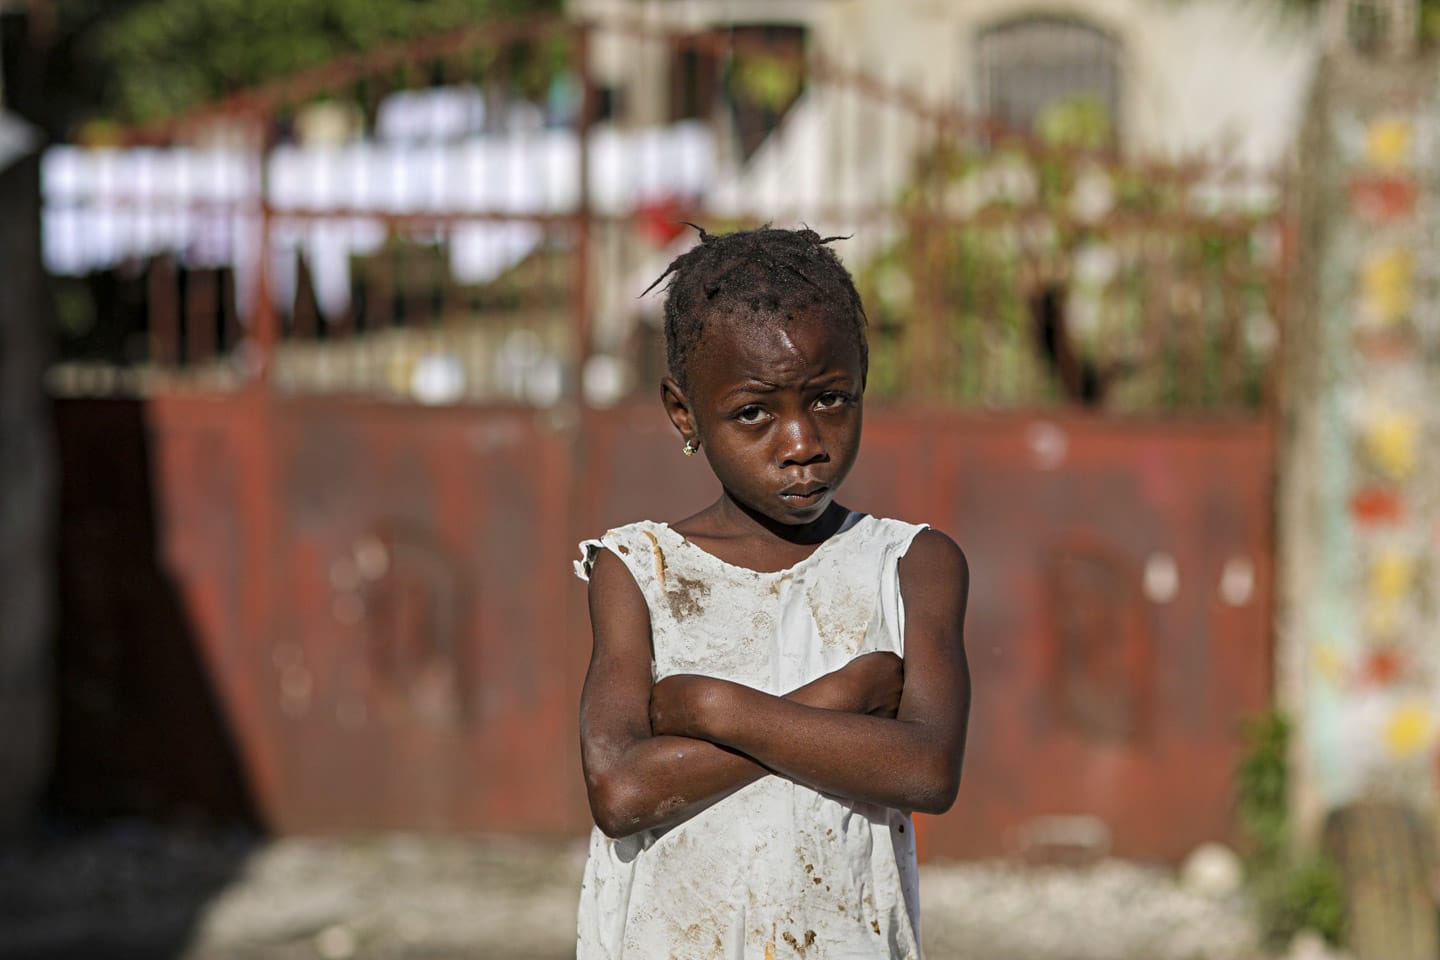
column 677, row 408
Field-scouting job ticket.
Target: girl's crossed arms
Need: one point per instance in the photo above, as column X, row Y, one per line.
column 874, row 731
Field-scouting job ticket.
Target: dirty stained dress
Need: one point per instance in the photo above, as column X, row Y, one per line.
column 776, row 869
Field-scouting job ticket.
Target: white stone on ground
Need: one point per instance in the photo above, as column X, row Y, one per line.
column 406, row 897
column 1212, row 870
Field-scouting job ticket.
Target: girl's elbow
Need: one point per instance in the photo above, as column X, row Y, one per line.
column 936, row 793
column 936, row 802
column 615, row 806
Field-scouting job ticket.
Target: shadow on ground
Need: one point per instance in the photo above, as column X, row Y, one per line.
column 123, row 891
column 141, row 745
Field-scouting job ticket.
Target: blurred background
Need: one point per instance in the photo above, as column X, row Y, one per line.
column 322, row 344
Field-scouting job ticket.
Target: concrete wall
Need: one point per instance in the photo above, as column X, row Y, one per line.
column 1359, row 535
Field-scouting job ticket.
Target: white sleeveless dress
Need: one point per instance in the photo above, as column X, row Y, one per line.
column 775, row 869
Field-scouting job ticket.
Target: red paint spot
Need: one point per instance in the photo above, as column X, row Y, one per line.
column 1380, row 199
column 1381, row 345
column 1383, row 667
column 659, row 220
column 1375, row 506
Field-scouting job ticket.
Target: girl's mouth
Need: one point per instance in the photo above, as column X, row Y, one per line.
column 804, row 495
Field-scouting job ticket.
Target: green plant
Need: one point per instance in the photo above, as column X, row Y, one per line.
column 1293, row 891
column 1302, row 896
column 127, row 61
column 1164, row 300
column 770, row 82
column 1262, row 783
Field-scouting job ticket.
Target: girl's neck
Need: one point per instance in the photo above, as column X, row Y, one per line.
column 739, row 537
column 733, row 519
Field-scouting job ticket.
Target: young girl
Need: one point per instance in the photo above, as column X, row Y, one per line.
column 752, row 740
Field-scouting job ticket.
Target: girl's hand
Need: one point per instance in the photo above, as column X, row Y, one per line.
column 680, row 704
column 876, row 681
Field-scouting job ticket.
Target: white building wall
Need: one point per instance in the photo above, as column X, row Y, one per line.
column 1221, row 79
column 1203, row 77
column 1226, row 77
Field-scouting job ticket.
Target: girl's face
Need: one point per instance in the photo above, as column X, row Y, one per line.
column 776, row 407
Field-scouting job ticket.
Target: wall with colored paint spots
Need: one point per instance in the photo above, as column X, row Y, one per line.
column 1359, row 501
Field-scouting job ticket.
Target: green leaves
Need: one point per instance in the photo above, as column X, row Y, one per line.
column 161, row 57
column 1079, row 122
column 1262, row 787
column 1293, row 891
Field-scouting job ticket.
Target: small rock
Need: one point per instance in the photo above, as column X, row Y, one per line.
column 1309, row 945
column 336, row 943
column 1212, row 870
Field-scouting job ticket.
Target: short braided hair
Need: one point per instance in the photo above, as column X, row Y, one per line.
column 761, row 272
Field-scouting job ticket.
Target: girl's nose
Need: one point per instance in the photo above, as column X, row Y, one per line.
column 802, row 444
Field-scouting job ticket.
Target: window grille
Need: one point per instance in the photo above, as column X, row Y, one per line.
column 1037, row 64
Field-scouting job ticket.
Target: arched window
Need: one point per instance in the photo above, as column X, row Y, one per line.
column 1034, row 69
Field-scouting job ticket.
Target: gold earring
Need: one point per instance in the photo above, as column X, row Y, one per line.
column 689, row 448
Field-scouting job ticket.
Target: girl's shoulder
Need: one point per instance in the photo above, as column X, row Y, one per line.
column 643, row 536
column 918, row 538
column 917, row 546
column 894, row 533
column 892, row 524
column 644, row 544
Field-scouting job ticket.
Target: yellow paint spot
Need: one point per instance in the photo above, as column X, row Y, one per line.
column 1408, row 730
column 1329, row 665
column 1388, row 142
column 1391, row 575
column 1390, row 442
column 769, row 951
column 1386, row 284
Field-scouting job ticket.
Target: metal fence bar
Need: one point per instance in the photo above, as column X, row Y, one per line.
column 467, row 240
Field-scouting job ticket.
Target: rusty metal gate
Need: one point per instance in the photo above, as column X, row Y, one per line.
column 390, row 379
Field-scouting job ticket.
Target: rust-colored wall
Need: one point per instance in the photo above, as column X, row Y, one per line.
column 1090, row 696
column 384, row 597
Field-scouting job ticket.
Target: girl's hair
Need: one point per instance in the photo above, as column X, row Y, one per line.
column 755, row 273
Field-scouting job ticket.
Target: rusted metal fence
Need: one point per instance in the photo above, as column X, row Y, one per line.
column 472, row 220
column 384, row 319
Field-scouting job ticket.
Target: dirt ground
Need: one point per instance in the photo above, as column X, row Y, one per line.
column 136, row 891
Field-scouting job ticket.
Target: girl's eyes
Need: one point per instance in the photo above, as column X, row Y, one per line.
column 829, row 400
column 750, row 414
